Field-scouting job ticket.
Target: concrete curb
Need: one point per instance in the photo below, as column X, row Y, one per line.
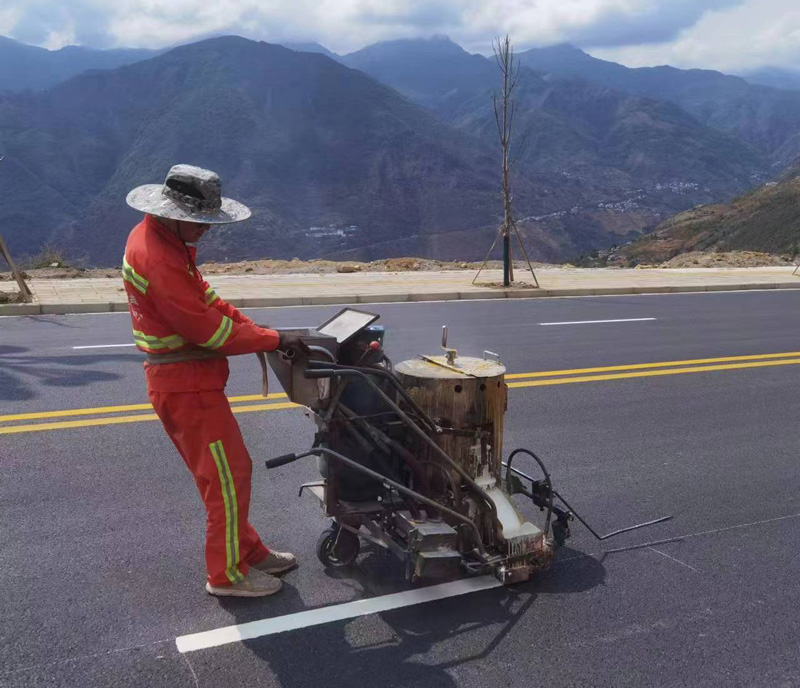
column 347, row 299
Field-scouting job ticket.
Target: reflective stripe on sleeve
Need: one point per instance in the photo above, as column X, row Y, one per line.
column 231, row 512
column 221, row 335
column 134, row 278
column 211, row 296
column 146, row 341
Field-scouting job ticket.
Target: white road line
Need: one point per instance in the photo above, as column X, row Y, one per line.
column 434, row 301
column 593, row 322
column 670, row 540
column 677, row 561
column 324, row 615
column 102, row 346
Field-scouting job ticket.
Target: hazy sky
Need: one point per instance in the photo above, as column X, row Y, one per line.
column 730, row 35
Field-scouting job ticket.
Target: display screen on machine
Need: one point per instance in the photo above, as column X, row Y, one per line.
column 346, row 323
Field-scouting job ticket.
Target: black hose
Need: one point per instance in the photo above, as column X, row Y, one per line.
column 321, row 350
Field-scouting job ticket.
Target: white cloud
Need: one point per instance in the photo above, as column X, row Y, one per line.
column 9, row 17
column 737, row 40
column 595, row 22
column 716, row 33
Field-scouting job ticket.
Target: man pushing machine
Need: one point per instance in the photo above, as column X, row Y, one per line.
column 187, row 331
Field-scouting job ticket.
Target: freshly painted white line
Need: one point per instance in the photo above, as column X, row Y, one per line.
column 102, row 346
column 676, row 538
column 324, row 615
column 677, row 561
column 593, row 322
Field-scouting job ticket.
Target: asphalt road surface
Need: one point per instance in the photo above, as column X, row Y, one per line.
column 101, row 529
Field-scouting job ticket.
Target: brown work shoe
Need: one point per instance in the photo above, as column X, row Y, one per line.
column 254, row 584
column 276, row 562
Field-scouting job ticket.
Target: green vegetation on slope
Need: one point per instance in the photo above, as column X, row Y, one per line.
column 766, row 219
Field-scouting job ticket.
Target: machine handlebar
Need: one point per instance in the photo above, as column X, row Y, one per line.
column 321, row 373
column 281, row 460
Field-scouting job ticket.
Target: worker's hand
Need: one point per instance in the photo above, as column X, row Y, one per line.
column 290, row 340
column 263, row 327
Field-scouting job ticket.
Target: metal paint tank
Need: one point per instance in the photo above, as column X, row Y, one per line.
column 467, row 398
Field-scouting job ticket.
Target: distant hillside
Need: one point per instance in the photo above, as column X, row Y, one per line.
column 775, row 77
column 435, row 72
column 767, row 219
column 26, row 67
column 766, row 118
column 312, row 48
column 622, row 162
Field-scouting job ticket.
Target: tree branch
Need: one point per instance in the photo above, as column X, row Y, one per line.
column 519, row 150
column 497, row 118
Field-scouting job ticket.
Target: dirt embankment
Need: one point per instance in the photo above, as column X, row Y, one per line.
column 279, row 267
column 727, row 259
column 695, row 259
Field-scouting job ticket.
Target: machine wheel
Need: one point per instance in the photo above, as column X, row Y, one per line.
column 337, row 548
column 560, row 533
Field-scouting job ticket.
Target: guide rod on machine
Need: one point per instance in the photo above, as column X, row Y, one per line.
column 353, row 372
column 518, row 472
column 317, row 451
column 323, row 365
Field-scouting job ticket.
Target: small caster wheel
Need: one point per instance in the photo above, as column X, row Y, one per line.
column 337, row 548
column 560, row 533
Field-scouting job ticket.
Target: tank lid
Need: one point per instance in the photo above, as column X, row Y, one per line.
column 465, row 367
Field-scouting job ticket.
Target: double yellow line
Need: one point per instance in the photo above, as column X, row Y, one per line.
column 698, row 365
column 111, row 419
column 115, row 415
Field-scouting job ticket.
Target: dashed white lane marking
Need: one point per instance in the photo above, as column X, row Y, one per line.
column 594, row 322
column 324, row 615
column 102, row 346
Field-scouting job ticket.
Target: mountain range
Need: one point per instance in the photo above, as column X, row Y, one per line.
column 397, row 140
column 302, row 139
column 773, row 76
column 29, row 68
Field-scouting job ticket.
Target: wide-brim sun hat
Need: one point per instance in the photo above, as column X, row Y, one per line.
column 191, row 194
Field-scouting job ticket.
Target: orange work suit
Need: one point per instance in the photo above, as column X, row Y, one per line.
column 174, row 310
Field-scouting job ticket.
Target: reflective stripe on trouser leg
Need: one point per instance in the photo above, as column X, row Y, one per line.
column 194, row 422
column 231, row 512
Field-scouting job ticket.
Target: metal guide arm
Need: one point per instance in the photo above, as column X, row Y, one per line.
column 402, row 489
column 347, row 372
column 385, row 374
column 614, row 533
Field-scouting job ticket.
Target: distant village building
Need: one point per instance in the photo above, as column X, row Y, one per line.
column 331, row 232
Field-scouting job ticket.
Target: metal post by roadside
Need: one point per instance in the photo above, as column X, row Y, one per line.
column 506, row 258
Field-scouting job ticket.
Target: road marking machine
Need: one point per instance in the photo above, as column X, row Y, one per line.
column 410, row 457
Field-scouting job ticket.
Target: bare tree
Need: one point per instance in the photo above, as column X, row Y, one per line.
column 504, row 111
